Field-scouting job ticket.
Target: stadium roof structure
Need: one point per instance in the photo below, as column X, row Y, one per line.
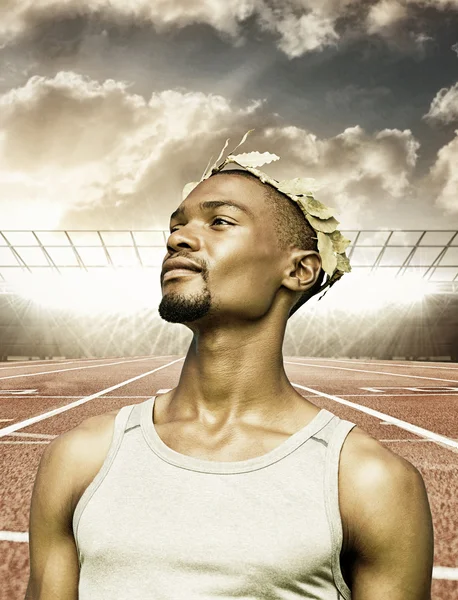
column 431, row 255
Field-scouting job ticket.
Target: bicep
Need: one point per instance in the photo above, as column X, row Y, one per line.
column 54, row 569
column 394, row 541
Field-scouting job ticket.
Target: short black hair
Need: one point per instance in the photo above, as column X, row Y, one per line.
column 290, row 224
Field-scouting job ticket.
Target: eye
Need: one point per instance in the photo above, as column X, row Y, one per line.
column 221, row 219
column 213, row 221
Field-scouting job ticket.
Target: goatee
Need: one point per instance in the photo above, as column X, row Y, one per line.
column 180, row 308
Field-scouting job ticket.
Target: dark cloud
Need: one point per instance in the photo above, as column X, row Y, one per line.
column 296, row 27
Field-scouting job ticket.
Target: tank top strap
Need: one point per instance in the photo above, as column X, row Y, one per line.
column 118, row 432
column 134, row 419
column 331, row 487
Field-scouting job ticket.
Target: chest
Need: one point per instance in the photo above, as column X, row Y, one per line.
column 252, row 531
column 242, row 446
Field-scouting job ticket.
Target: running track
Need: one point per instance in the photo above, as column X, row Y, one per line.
column 411, row 407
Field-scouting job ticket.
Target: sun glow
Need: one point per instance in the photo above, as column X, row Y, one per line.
column 130, row 290
column 358, row 292
column 104, row 291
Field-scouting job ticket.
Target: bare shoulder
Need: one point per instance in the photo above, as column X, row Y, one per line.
column 376, row 486
column 365, row 456
column 81, row 451
column 97, row 424
column 93, row 430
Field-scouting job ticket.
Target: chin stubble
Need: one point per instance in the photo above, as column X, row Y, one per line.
column 177, row 307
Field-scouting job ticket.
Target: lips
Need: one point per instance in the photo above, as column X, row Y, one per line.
column 178, row 273
column 179, row 264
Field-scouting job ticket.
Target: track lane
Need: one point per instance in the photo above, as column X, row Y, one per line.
column 389, row 373
column 420, row 431
column 408, row 364
column 33, row 364
column 80, row 368
column 438, row 465
column 433, row 412
column 51, row 413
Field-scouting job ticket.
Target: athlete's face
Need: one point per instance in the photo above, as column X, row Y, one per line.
column 242, row 267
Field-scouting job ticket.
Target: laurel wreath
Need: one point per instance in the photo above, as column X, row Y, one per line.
column 331, row 243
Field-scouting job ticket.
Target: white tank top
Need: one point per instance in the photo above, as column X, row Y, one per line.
column 155, row 524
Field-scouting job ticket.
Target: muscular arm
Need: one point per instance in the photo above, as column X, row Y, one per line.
column 67, row 466
column 391, row 528
column 54, row 568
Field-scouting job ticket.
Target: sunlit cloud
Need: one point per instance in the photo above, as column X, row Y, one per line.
column 383, row 15
column 81, row 153
column 69, row 143
column 443, row 177
column 444, row 107
column 356, row 171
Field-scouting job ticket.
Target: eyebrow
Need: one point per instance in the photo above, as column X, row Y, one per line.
column 209, row 204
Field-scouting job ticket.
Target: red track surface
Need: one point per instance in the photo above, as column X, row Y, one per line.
column 432, row 404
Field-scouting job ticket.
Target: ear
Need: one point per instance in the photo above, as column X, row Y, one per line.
column 302, row 270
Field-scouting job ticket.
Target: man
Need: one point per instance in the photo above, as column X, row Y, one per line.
column 231, row 485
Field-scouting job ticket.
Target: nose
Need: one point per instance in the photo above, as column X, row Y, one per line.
column 182, row 238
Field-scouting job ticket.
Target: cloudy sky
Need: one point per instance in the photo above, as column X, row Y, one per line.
column 108, row 107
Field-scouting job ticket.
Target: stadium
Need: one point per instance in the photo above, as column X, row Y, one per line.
column 109, row 112
column 89, row 294
column 81, row 335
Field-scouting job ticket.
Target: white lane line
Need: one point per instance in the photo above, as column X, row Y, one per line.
column 420, row 365
column 37, row 364
column 14, row 536
column 19, row 364
column 119, row 362
column 29, row 392
column 372, row 372
column 382, row 395
column 450, row 573
column 25, row 442
column 436, row 437
column 15, row 426
column 66, row 396
column 410, row 440
column 425, row 389
column 40, row 436
column 5, row 420
column 435, row 394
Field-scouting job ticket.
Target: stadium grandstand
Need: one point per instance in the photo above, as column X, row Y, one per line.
column 87, row 294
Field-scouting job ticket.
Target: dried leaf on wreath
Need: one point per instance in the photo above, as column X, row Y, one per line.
column 343, row 263
column 297, row 186
column 254, row 159
column 316, row 208
column 326, row 225
column 242, row 141
column 328, row 258
column 209, row 171
column 339, row 242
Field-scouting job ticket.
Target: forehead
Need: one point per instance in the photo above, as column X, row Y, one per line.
column 246, row 193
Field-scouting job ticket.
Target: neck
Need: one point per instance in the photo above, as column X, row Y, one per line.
column 234, row 372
